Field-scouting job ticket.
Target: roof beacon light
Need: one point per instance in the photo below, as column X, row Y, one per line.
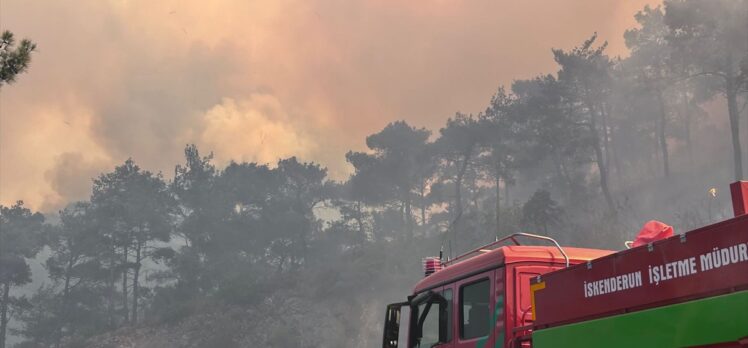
column 431, row 265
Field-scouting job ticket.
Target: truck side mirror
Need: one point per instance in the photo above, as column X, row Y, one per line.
column 392, row 325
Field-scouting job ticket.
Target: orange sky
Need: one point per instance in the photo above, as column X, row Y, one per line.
column 259, row 80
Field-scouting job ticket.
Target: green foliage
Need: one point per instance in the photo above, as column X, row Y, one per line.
column 541, row 211
column 136, row 210
column 397, row 173
column 13, row 60
column 20, row 240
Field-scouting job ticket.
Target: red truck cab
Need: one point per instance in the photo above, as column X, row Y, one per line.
column 481, row 298
column 687, row 290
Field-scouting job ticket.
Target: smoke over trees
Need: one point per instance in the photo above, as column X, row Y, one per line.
column 561, row 153
column 712, row 41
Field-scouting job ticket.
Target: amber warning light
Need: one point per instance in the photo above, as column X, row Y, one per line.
column 431, row 265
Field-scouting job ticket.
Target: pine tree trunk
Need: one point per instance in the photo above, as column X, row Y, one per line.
column 65, row 299
column 458, row 193
column 687, row 125
column 136, row 284
column 662, row 139
column 408, row 217
column 359, row 221
column 110, row 286
column 732, row 109
column 614, row 154
column 458, row 189
column 506, row 193
column 474, row 195
column 616, row 159
column 604, row 177
column 562, row 171
column 4, row 313
column 125, row 272
column 605, row 134
column 599, row 159
column 498, row 204
column 654, row 168
column 423, row 204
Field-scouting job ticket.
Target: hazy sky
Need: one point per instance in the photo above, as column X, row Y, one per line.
column 259, row 80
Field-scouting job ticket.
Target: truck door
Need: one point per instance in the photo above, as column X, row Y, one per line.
column 522, row 308
column 475, row 313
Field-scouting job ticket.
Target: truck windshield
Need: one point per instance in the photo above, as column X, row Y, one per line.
column 430, row 324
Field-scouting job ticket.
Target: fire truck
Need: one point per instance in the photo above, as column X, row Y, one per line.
column 687, row 290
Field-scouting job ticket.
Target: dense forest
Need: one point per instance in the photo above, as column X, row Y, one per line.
column 281, row 255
